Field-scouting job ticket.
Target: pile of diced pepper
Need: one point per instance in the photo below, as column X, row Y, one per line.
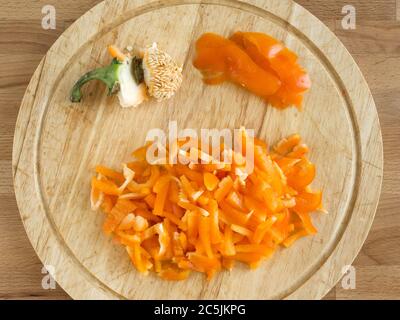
column 177, row 218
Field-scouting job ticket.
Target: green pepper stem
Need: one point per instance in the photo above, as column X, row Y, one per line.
column 108, row 75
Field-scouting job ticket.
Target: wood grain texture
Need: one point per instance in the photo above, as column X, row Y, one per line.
column 389, row 110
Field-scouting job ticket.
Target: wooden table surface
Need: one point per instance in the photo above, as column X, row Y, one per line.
column 375, row 45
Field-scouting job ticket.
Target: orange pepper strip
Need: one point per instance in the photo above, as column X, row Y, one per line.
column 139, row 167
column 150, row 199
column 260, row 47
column 228, row 245
column 236, row 216
column 235, row 200
column 133, row 186
column 308, row 226
column 173, row 192
column 287, row 145
column 204, row 235
column 183, row 240
column 191, row 174
column 160, row 199
column 302, row 174
column 203, row 200
column 262, row 229
column 299, row 151
column 161, row 183
column 147, row 215
column 117, row 214
column 242, row 230
column 127, row 222
column 110, row 173
column 287, row 164
column 177, row 210
column 261, row 160
column 308, row 201
column 177, row 247
column 140, row 153
column 224, row 187
column 203, row 263
column 187, row 187
column 260, row 249
column 215, row 233
column 107, row 204
column 174, row 219
column 140, row 224
column 259, row 209
column 108, row 187
column 210, row 181
column 247, row 257
column 290, row 240
column 192, row 222
column 135, row 254
column 163, row 238
column 276, row 235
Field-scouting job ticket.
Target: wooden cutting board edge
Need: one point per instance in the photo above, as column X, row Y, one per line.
column 48, row 243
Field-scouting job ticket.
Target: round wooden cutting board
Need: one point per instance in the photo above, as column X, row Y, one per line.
column 57, row 145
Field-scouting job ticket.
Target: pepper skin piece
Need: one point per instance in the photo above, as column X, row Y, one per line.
column 220, row 59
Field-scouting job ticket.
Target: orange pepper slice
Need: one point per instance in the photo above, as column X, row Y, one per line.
column 210, row 181
column 272, row 55
column 221, row 59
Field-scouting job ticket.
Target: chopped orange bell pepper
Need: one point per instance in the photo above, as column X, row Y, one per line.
column 210, row 181
column 174, row 219
column 174, row 274
column 204, row 235
column 161, row 197
column 224, row 187
column 108, row 187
